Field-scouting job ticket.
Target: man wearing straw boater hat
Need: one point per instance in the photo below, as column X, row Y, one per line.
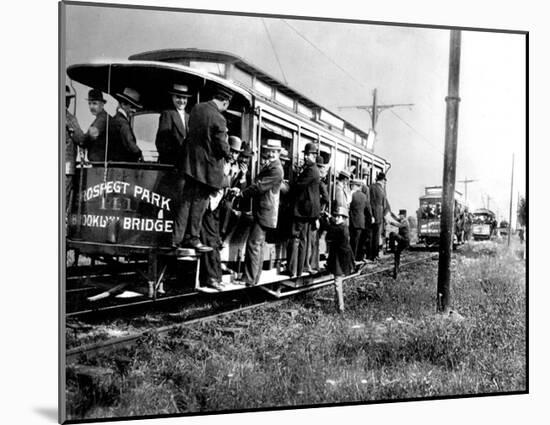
column 265, row 192
column 95, row 136
column 122, row 144
column 201, row 164
column 73, row 137
column 306, row 212
column 173, row 125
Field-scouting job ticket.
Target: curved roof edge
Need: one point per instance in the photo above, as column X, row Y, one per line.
column 166, row 66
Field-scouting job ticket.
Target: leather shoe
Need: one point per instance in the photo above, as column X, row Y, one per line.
column 199, row 247
column 216, row 285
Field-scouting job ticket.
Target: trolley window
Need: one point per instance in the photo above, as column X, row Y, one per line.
column 342, row 159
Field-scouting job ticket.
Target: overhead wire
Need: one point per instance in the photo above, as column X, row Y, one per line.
column 358, row 82
column 275, row 51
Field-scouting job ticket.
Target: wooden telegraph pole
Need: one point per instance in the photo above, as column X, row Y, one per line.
column 449, row 176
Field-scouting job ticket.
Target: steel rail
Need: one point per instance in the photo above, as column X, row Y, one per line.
column 115, row 343
column 73, row 354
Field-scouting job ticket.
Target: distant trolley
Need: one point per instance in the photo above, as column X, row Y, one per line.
column 429, row 217
column 126, row 210
column 484, row 224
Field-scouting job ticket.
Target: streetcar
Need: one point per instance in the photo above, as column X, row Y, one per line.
column 429, row 217
column 124, row 212
column 483, row 224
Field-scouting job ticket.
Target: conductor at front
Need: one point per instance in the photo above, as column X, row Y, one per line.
column 173, row 124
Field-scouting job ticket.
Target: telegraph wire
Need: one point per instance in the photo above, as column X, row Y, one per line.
column 274, row 51
column 360, row 83
column 417, row 132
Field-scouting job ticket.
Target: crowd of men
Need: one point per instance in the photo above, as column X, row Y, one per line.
column 214, row 184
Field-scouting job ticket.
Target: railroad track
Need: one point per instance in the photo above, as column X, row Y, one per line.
column 74, row 354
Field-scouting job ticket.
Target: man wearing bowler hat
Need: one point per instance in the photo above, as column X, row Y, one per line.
column 265, row 192
column 122, row 145
column 201, row 164
column 95, row 136
column 380, row 207
column 173, row 125
column 73, row 137
column 305, row 212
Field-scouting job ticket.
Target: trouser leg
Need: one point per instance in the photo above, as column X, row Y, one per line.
column 339, row 293
column 181, row 212
column 375, row 240
column 355, row 238
column 254, row 254
column 293, row 248
column 314, row 249
column 302, row 247
column 197, row 207
column 210, row 262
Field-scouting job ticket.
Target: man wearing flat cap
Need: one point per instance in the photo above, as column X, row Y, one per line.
column 201, row 164
column 95, row 136
column 122, row 145
column 73, row 137
column 306, row 212
column 173, row 125
column 265, row 193
column 380, row 207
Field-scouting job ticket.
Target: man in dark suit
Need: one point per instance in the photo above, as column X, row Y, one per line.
column 173, row 125
column 380, row 207
column 357, row 218
column 73, row 137
column 306, row 211
column 201, row 164
column 122, row 141
column 265, row 192
column 95, row 136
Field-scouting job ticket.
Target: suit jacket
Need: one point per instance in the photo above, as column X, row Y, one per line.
column 265, row 192
column 73, row 136
column 203, row 154
column 171, row 133
column 122, row 141
column 307, row 199
column 323, row 193
column 340, row 257
column 368, row 208
column 378, row 202
column 96, row 145
column 357, row 210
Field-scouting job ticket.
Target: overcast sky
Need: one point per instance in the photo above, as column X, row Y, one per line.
column 337, row 64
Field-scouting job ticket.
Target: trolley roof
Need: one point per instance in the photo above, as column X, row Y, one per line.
column 484, row 211
column 150, row 79
column 190, row 55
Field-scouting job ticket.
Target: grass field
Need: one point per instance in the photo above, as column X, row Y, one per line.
column 389, row 344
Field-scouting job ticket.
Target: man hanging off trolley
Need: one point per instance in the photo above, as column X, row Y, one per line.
column 399, row 241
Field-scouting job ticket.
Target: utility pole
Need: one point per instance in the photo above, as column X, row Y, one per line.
column 511, row 196
column 489, row 202
column 449, row 177
column 375, row 109
column 466, row 182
